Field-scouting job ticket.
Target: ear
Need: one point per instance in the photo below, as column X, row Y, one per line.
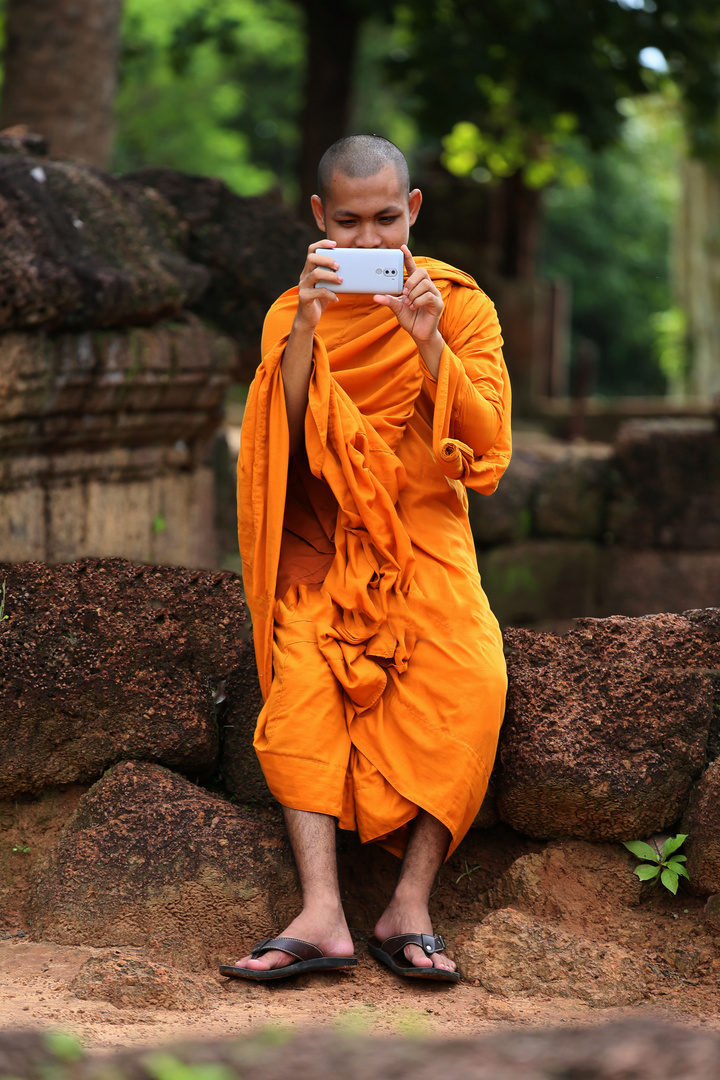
column 414, row 202
column 318, row 212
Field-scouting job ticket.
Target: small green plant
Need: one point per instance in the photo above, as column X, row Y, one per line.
column 64, row 1045
column 23, row 849
column 467, row 872
column 3, row 616
column 162, row 1066
column 665, row 865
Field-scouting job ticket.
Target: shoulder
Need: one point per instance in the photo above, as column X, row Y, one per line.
column 456, row 286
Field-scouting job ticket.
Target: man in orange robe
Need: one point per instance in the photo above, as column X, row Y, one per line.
column 380, row 661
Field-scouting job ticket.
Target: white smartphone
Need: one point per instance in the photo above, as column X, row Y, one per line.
column 366, row 270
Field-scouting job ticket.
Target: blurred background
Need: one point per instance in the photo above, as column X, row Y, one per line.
column 569, row 156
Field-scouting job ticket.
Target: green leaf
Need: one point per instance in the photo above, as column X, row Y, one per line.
column 642, row 850
column 646, row 872
column 678, row 858
column 677, row 868
column 63, row 1045
column 669, row 879
column 672, row 844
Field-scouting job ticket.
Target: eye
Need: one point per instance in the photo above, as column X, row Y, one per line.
column 388, row 220
column 347, row 223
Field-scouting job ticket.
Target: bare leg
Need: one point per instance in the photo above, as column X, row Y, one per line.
column 407, row 912
column 322, row 920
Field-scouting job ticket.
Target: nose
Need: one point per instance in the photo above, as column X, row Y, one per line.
column 367, row 237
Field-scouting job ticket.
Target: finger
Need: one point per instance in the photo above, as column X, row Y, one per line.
column 322, row 294
column 322, row 257
column 419, row 302
column 322, row 244
column 424, row 294
column 395, row 303
column 408, row 259
column 318, row 274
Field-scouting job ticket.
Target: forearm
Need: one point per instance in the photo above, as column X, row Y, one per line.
column 296, row 368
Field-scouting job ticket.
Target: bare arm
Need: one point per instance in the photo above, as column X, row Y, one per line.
column 296, row 365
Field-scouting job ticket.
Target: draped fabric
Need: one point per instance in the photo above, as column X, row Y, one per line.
column 366, row 528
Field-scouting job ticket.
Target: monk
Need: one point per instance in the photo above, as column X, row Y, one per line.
column 380, row 662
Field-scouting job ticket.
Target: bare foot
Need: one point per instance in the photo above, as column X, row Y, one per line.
column 324, row 927
column 411, row 917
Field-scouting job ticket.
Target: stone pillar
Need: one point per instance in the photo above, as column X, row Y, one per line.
column 103, row 441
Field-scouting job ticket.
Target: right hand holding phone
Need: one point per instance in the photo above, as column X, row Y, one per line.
column 319, row 266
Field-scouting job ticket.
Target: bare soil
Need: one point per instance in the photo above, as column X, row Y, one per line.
column 668, row 933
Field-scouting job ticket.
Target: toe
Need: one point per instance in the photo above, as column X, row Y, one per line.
column 268, row 960
column 415, row 956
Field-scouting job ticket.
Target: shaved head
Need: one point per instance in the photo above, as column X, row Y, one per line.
column 360, row 156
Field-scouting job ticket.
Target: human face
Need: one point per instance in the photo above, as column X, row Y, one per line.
column 373, row 212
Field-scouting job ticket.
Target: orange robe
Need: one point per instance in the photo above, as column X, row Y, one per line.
column 380, row 661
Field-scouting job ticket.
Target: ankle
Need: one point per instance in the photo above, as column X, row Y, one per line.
column 324, row 905
column 408, row 896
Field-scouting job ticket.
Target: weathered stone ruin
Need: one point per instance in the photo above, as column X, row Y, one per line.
column 128, row 690
column 126, row 308
column 128, row 696
column 593, row 529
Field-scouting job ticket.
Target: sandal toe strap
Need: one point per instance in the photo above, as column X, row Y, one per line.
column 303, row 950
column 429, row 943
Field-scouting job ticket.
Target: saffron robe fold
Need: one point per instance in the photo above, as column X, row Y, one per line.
column 379, row 660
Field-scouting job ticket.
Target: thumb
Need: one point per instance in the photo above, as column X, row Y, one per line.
column 395, row 303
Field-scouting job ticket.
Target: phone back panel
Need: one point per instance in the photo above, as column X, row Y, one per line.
column 368, row 270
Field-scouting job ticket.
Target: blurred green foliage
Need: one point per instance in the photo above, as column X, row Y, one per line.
column 212, row 89
column 611, row 239
column 555, row 89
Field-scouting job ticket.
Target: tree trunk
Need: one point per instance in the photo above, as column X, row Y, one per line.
column 698, row 275
column 332, row 43
column 61, row 73
column 515, row 214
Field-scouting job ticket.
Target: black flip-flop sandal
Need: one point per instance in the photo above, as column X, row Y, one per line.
column 309, row 958
column 387, row 950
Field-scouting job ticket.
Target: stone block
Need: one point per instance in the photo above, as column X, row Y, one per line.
column 572, row 881
column 181, row 519
column 606, row 728
column 241, row 770
column 536, row 580
column 506, row 515
column 573, row 493
column 119, row 520
column 129, row 982
column 22, row 525
column 251, row 247
column 90, row 387
column 123, row 265
column 668, row 493
column 648, row 581
column 151, row 860
column 511, row 953
column 702, row 824
column 105, row 659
